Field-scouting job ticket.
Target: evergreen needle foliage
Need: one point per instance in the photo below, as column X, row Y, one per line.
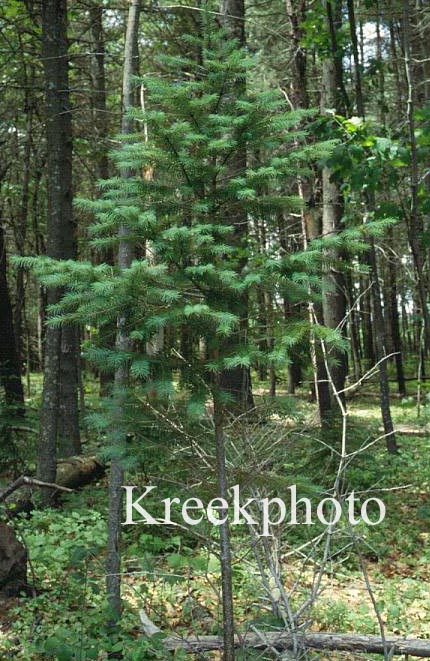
column 179, row 207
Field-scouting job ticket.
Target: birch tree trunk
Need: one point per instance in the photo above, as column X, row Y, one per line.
column 334, row 299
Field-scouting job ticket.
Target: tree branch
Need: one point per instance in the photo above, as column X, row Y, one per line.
column 32, row 482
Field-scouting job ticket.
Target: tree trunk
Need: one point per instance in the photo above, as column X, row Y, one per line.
column 366, row 317
column 59, row 422
column 379, row 334
column 39, row 249
column 294, row 375
column 233, row 19
column 296, row 11
column 336, row 89
column 406, row 331
column 224, row 531
column 123, row 343
column 381, row 101
column 357, row 66
column 21, row 225
column 13, row 563
column 72, row 473
column 333, row 285
column 236, row 382
column 353, row 324
column 101, row 128
column 68, row 424
column 312, row 227
column 262, row 330
column 10, row 371
column 311, row 217
column 393, row 322
column 99, row 93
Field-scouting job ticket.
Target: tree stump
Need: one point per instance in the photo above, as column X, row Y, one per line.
column 13, row 563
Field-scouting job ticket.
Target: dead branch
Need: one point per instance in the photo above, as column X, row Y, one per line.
column 316, row 640
column 29, row 481
column 72, row 473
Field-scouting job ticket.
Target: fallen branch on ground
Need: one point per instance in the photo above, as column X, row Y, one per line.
column 283, row 641
column 319, row 641
column 408, row 430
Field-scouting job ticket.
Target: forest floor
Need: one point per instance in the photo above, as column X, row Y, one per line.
column 175, row 578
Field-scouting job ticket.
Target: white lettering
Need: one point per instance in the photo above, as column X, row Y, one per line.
column 351, row 500
column 167, row 507
column 213, row 507
column 240, row 510
column 188, row 505
column 295, row 502
column 268, row 522
column 381, row 511
column 130, row 505
column 320, row 511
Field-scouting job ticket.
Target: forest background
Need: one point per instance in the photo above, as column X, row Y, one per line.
column 214, row 271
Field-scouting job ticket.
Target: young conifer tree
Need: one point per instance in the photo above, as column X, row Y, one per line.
column 177, row 209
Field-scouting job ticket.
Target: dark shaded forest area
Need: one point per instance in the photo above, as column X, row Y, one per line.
column 215, row 329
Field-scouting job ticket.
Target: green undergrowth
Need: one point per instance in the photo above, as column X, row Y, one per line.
column 172, row 573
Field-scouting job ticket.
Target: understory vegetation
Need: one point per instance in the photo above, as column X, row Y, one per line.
column 174, row 575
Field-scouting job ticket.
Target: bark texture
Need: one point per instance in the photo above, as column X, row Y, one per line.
column 393, row 320
column 224, row 531
column 10, row 371
column 334, row 299
column 123, row 343
column 379, row 340
column 394, row 645
column 13, row 562
column 59, row 422
column 236, row 382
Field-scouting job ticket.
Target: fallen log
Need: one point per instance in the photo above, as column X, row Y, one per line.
column 282, row 642
column 408, row 430
column 76, row 472
column 72, row 473
column 318, row 640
